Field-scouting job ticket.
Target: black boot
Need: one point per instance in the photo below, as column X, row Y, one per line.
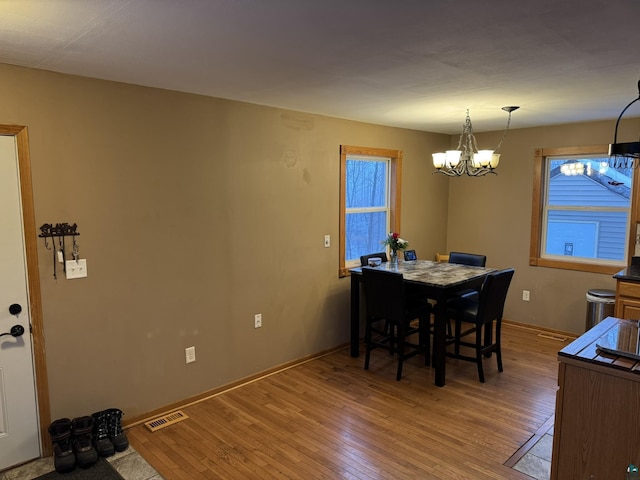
column 63, row 458
column 101, row 439
column 114, row 427
column 82, row 429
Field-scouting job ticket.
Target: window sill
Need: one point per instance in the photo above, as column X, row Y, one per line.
column 577, row 266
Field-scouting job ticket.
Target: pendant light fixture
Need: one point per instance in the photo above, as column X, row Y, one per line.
column 467, row 159
column 624, row 155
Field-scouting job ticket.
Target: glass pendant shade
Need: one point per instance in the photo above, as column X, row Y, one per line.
column 439, row 159
column 453, row 157
column 450, row 158
column 485, row 157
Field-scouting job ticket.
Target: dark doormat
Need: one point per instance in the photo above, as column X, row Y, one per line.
column 101, row 470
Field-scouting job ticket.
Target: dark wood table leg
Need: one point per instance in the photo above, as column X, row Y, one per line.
column 439, row 339
column 355, row 315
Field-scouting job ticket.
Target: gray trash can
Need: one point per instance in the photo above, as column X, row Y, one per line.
column 600, row 305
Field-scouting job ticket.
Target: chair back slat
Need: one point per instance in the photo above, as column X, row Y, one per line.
column 384, row 294
column 470, row 259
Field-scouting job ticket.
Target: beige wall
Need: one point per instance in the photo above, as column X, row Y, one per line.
column 492, row 215
column 194, row 214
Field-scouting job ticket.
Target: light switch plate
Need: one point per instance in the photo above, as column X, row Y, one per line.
column 76, row 268
column 190, row 354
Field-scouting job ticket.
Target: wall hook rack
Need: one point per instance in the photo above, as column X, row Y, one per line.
column 59, row 231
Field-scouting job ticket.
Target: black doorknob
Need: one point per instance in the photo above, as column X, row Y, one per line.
column 15, row 309
column 15, row 331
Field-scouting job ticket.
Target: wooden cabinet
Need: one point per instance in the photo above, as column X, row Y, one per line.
column 597, row 422
column 627, row 300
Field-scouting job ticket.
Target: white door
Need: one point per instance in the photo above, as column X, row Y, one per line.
column 19, row 435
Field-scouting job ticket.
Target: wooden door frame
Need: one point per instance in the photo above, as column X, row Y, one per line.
column 21, row 135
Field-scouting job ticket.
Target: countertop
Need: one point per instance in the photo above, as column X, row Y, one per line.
column 584, row 349
column 631, row 273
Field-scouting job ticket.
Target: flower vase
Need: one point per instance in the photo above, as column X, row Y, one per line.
column 394, row 258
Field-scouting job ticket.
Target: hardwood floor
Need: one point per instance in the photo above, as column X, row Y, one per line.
column 329, row 418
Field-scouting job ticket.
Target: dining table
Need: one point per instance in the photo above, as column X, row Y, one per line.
column 438, row 281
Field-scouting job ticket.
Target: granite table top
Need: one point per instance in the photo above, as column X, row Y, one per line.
column 436, row 274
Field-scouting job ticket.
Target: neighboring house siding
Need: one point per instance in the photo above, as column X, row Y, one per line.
column 609, row 243
column 582, row 191
column 604, row 233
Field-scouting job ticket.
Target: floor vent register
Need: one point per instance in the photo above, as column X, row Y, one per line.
column 165, row 420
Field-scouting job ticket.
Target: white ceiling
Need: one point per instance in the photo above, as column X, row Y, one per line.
column 415, row 64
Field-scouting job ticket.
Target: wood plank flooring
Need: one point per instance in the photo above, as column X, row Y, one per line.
column 330, row 419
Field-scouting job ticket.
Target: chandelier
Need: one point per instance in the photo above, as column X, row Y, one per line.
column 624, row 155
column 467, row 159
column 574, row 167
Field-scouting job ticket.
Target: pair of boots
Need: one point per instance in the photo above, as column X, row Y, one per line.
column 80, row 441
column 72, row 443
column 108, row 435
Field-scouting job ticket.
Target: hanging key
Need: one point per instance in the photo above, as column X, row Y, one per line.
column 76, row 250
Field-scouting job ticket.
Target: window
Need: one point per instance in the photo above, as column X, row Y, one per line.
column 582, row 210
column 369, row 201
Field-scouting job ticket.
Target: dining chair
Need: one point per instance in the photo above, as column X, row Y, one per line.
column 470, row 259
column 386, row 301
column 481, row 311
column 364, row 259
column 442, row 258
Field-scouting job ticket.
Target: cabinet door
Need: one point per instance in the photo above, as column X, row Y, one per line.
column 598, row 433
column 628, row 308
